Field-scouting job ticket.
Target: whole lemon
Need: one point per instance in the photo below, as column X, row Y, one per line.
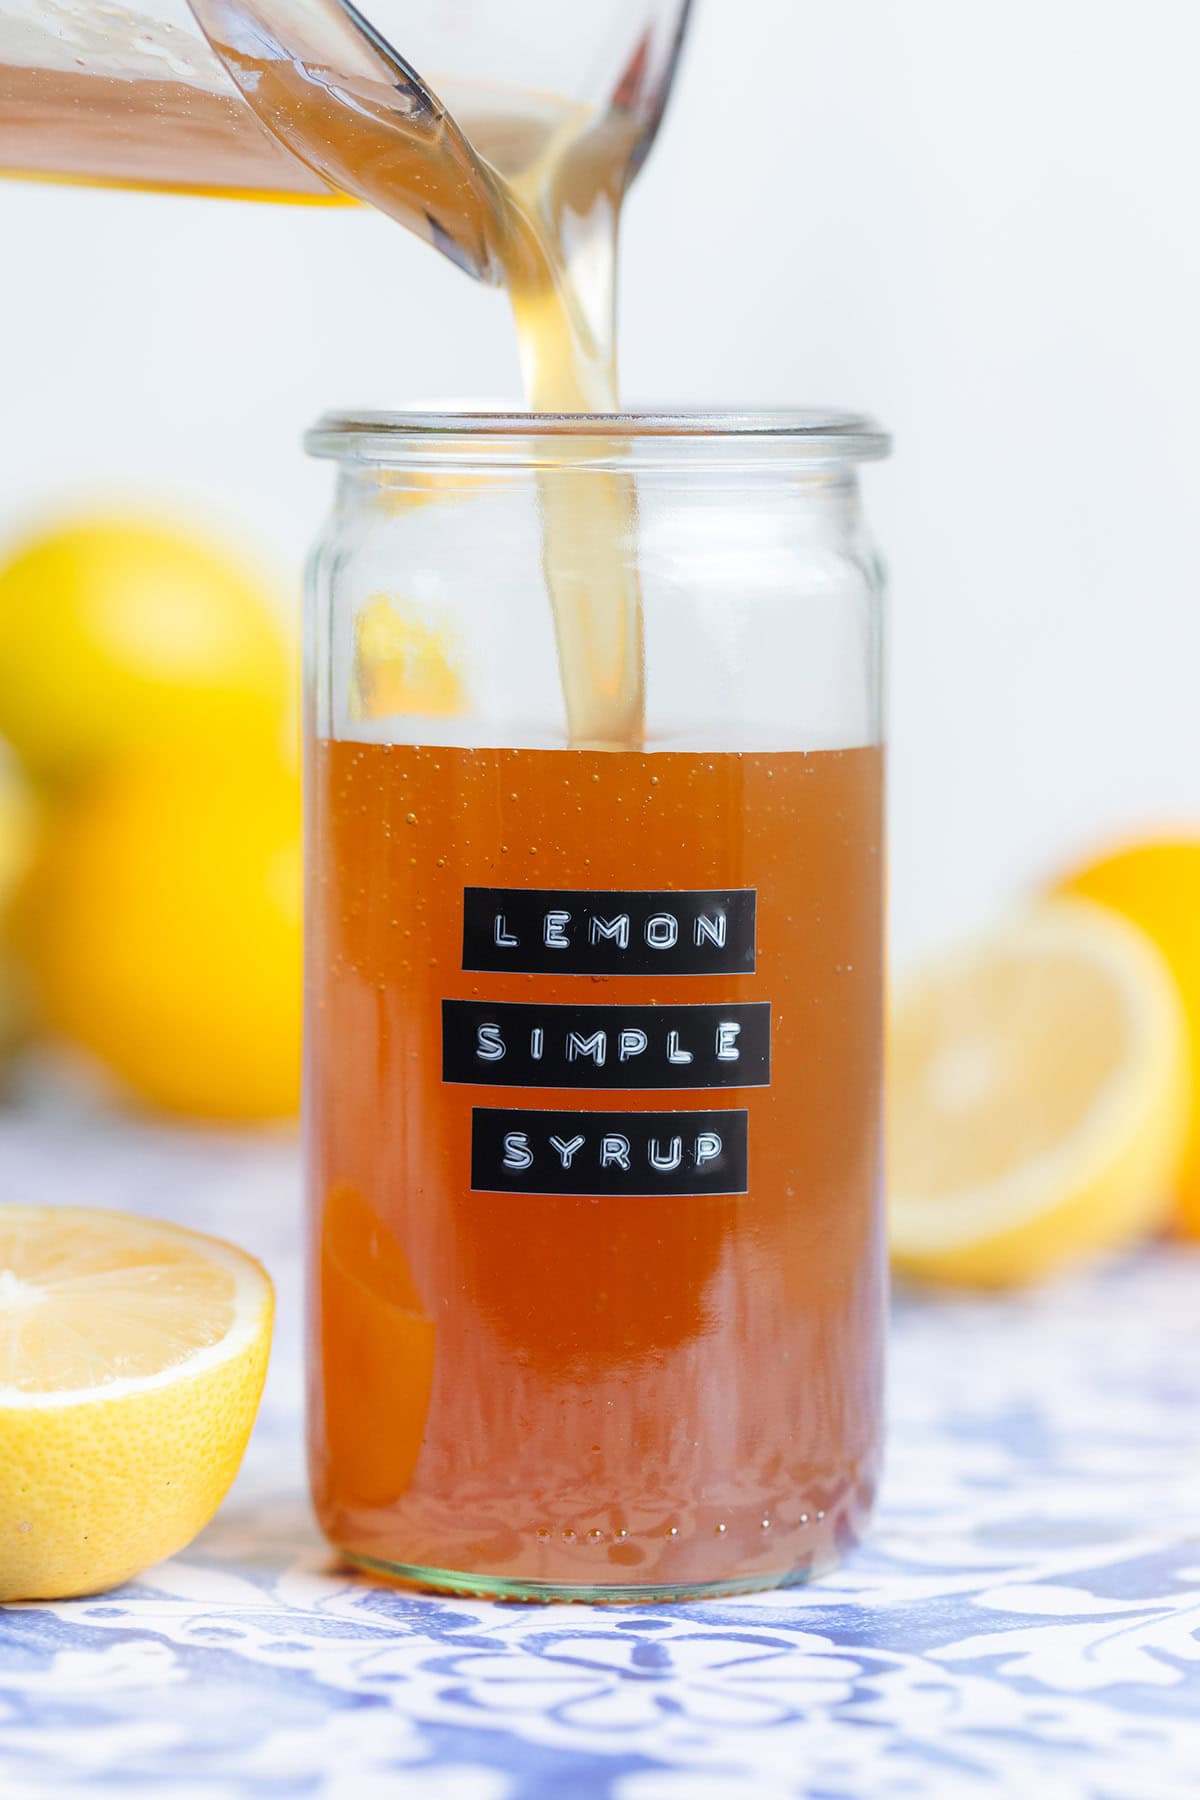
column 115, row 631
column 18, row 825
column 162, row 925
column 1156, row 884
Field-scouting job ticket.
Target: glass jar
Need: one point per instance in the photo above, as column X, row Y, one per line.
column 594, row 990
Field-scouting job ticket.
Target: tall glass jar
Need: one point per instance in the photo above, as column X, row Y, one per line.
column 594, row 989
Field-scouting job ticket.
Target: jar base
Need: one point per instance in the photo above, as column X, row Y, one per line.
column 547, row 1593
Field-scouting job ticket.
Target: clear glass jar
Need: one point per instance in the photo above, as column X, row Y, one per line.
column 594, row 988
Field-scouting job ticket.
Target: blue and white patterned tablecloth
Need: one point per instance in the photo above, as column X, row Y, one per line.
column 1024, row 1621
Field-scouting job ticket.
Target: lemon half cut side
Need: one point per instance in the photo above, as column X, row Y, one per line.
column 132, row 1361
column 1038, row 1098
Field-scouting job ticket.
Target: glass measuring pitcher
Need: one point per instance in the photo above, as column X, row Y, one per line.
column 91, row 91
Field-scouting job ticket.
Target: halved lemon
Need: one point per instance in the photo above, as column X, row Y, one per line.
column 1038, row 1098
column 132, row 1360
column 377, row 1352
column 403, row 664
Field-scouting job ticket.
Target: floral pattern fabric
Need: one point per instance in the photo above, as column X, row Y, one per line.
column 1024, row 1619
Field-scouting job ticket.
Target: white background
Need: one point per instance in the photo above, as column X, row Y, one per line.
column 979, row 221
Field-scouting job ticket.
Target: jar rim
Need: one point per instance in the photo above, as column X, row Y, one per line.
column 819, row 433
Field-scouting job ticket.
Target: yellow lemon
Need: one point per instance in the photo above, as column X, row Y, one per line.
column 401, row 491
column 1157, row 886
column 162, row 926
column 377, row 1352
column 17, row 826
column 17, row 836
column 1038, row 1098
column 132, row 1359
column 403, row 665
column 120, row 631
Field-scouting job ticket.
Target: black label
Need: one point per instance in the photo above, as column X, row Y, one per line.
column 513, row 1044
column 519, row 1151
column 551, row 931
